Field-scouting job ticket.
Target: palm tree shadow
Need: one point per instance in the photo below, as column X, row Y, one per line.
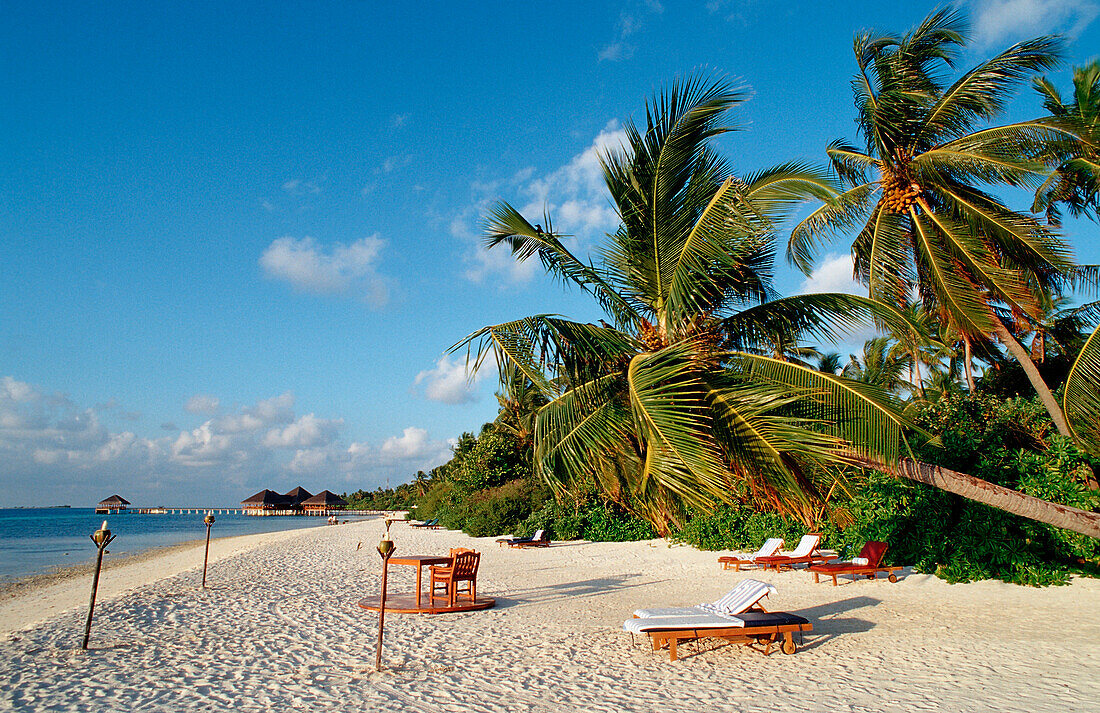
column 828, row 624
column 574, row 590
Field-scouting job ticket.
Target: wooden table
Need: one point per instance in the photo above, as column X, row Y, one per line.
column 419, row 561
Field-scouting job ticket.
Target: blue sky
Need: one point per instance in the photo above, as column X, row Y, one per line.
column 237, row 238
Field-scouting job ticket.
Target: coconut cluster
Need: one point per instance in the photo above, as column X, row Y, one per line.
column 899, row 191
column 651, row 338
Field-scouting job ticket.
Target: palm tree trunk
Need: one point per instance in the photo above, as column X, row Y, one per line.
column 1017, row 350
column 995, row 496
column 915, row 370
column 968, row 367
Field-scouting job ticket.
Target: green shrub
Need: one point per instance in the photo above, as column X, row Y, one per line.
column 493, row 460
column 737, row 527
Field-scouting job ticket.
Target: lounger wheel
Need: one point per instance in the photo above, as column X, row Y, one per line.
column 893, row 578
column 788, row 647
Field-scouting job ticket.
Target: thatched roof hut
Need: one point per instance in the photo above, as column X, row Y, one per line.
column 296, row 497
column 265, row 500
column 323, row 502
column 114, row 503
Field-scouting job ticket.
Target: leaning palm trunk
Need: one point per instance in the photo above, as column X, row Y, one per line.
column 995, row 496
column 968, row 363
column 1021, row 355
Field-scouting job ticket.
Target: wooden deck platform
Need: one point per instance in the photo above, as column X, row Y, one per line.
column 402, row 603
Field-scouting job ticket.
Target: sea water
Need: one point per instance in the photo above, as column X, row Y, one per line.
column 41, row 540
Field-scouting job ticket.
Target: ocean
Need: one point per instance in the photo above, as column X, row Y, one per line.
column 41, row 540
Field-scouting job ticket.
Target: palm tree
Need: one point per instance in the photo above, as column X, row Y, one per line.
column 679, row 400
column 881, row 365
column 1076, row 185
column 1076, row 182
column 919, row 190
column 421, row 482
column 829, row 363
column 520, row 401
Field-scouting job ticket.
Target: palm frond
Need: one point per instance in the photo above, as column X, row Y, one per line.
column 864, row 416
column 983, row 92
column 1081, row 402
column 507, row 225
column 826, row 317
column 667, row 400
column 835, row 216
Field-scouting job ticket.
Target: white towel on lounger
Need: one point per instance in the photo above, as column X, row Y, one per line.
column 739, row 599
column 700, row 621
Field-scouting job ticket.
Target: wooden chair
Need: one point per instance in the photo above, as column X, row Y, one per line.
column 462, row 569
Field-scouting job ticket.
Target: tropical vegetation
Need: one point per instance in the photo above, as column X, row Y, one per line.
column 699, row 407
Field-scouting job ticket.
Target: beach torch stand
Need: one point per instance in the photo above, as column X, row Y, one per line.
column 101, row 537
column 385, row 549
column 209, row 520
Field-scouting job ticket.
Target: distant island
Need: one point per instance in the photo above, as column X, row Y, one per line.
column 40, row 507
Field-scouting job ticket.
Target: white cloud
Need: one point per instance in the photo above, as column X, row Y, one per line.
column 448, row 381
column 1001, row 21
column 629, row 24
column 834, row 274
column 410, row 444
column 267, row 412
column 392, row 163
column 398, row 121
column 202, row 403
column 574, row 195
column 298, row 187
column 55, row 451
column 311, row 267
column 615, row 52
column 17, row 391
column 305, row 432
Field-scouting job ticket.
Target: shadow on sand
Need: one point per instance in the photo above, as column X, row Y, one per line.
column 573, row 590
column 829, row 622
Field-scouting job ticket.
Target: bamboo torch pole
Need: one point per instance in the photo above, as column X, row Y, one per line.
column 101, row 537
column 209, row 520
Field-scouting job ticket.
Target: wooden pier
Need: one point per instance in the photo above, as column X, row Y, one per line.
column 184, row 511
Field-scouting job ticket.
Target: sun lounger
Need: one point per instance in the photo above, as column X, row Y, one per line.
column 428, row 524
column 744, row 597
column 770, row 548
column 747, row 627
column 539, row 539
column 805, row 553
column 868, row 563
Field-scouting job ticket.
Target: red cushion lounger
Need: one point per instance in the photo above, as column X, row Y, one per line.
column 872, row 552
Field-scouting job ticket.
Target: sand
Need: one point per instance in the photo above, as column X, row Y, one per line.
column 280, row 630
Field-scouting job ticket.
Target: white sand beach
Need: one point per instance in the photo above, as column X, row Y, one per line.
column 280, row 630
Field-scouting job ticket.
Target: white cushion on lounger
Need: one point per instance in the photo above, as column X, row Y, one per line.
column 806, row 545
column 670, row 611
column 702, row 621
column 860, row 561
column 768, row 549
column 739, row 599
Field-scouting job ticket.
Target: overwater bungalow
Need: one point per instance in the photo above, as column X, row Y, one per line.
column 265, row 502
column 323, row 503
column 113, row 504
column 296, row 497
column 268, row 502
